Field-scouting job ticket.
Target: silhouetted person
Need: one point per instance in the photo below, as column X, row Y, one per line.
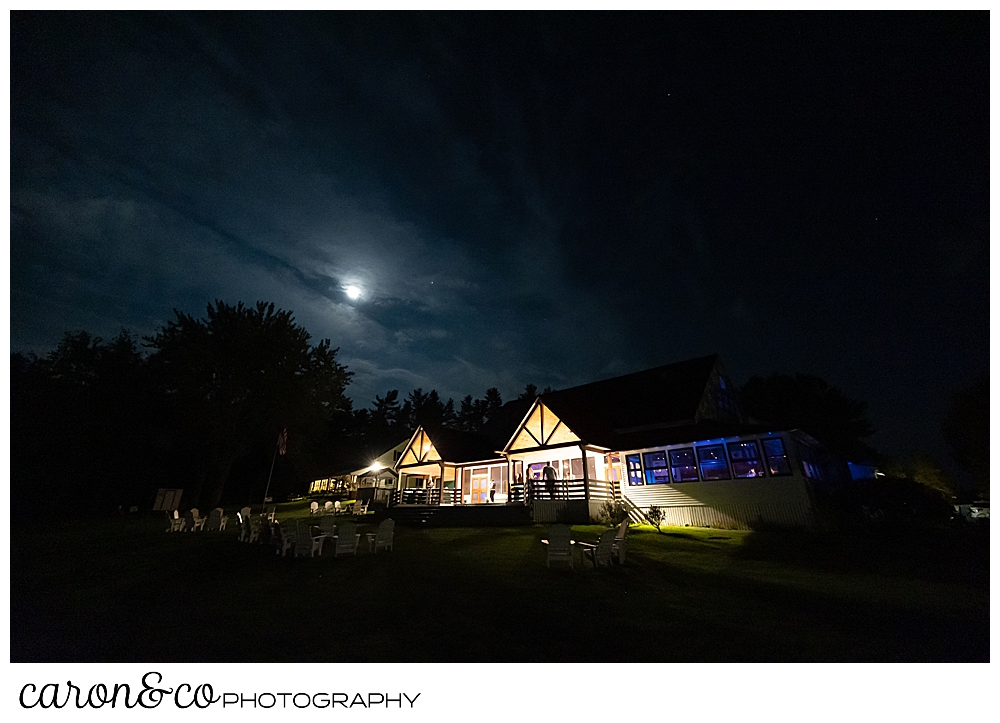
column 549, row 475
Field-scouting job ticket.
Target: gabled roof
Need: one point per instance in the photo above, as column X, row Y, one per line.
column 506, row 421
column 439, row 444
column 615, row 413
column 456, row 446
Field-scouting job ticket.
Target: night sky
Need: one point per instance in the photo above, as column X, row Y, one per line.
column 551, row 198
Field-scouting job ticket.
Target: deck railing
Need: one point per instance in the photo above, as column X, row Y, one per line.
column 569, row 489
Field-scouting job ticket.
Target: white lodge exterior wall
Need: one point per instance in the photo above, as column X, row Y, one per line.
column 730, row 504
column 741, row 503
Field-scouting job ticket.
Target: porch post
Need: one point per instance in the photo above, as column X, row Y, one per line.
column 586, row 482
column 441, row 484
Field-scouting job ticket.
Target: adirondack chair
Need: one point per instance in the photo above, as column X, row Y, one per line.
column 313, row 508
column 600, row 554
column 190, row 521
column 337, row 509
column 285, row 539
column 328, row 508
column 618, row 548
column 176, row 522
column 360, row 509
column 383, row 537
column 255, row 526
column 346, row 539
column 199, row 521
column 560, row 546
column 327, row 528
column 214, row 523
column 305, row 542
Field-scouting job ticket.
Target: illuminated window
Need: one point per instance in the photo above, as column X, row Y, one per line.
column 746, row 459
column 713, row 462
column 682, row 465
column 634, row 468
column 656, row 468
column 777, row 460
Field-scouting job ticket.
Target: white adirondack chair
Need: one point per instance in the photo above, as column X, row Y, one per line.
column 305, row 542
column 560, row 545
column 600, row 554
column 214, row 523
column 255, row 527
column 346, row 539
column 327, row 526
column 328, row 508
column 618, row 548
column 176, row 522
column 383, row 537
column 313, row 508
column 285, row 540
column 337, row 508
column 360, row 509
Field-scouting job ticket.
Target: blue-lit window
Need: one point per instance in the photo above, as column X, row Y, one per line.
column 746, row 459
column 656, row 468
column 634, row 469
column 777, row 460
column 712, row 460
column 682, row 465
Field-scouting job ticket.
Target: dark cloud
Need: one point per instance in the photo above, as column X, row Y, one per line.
column 523, row 197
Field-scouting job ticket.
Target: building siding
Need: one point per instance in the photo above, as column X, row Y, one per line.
column 730, row 504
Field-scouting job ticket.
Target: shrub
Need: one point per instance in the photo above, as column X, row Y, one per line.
column 655, row 515
column 612, row 512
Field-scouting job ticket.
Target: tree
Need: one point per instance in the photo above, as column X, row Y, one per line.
column 237, row 378
column 808, row 403
column 923, row 469
column 83, row 420
column 491, row 403
column 966, row 429
column 530, row 392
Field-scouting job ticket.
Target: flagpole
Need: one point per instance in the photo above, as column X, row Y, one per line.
column 263, row 504
column 279, row 447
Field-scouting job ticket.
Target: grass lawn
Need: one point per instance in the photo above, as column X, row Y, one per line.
column 122, row 590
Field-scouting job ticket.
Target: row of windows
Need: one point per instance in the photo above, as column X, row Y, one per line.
column 685, row 464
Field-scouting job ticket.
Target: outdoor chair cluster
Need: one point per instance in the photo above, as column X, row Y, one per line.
column 305, row 539
column 192, row 521
column 610, row 546
column 335, row 508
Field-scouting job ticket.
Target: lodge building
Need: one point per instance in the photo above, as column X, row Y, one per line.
column 672, row 436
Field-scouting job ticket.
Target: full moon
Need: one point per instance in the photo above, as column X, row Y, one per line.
column 353, row 292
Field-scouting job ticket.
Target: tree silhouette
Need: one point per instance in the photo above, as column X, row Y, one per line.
column 966, row 429
column 808, row 403
column 237, row 378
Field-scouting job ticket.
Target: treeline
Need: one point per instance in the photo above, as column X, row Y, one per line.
column 101, row 424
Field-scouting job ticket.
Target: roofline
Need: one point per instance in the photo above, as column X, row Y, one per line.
column 397, row 466
column 520, row 425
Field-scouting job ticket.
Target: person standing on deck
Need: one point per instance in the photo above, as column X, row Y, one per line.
column 549, row 475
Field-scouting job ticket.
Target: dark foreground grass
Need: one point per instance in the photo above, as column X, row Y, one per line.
column 122, row 590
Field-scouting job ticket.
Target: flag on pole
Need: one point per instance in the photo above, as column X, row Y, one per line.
column 283, row 441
